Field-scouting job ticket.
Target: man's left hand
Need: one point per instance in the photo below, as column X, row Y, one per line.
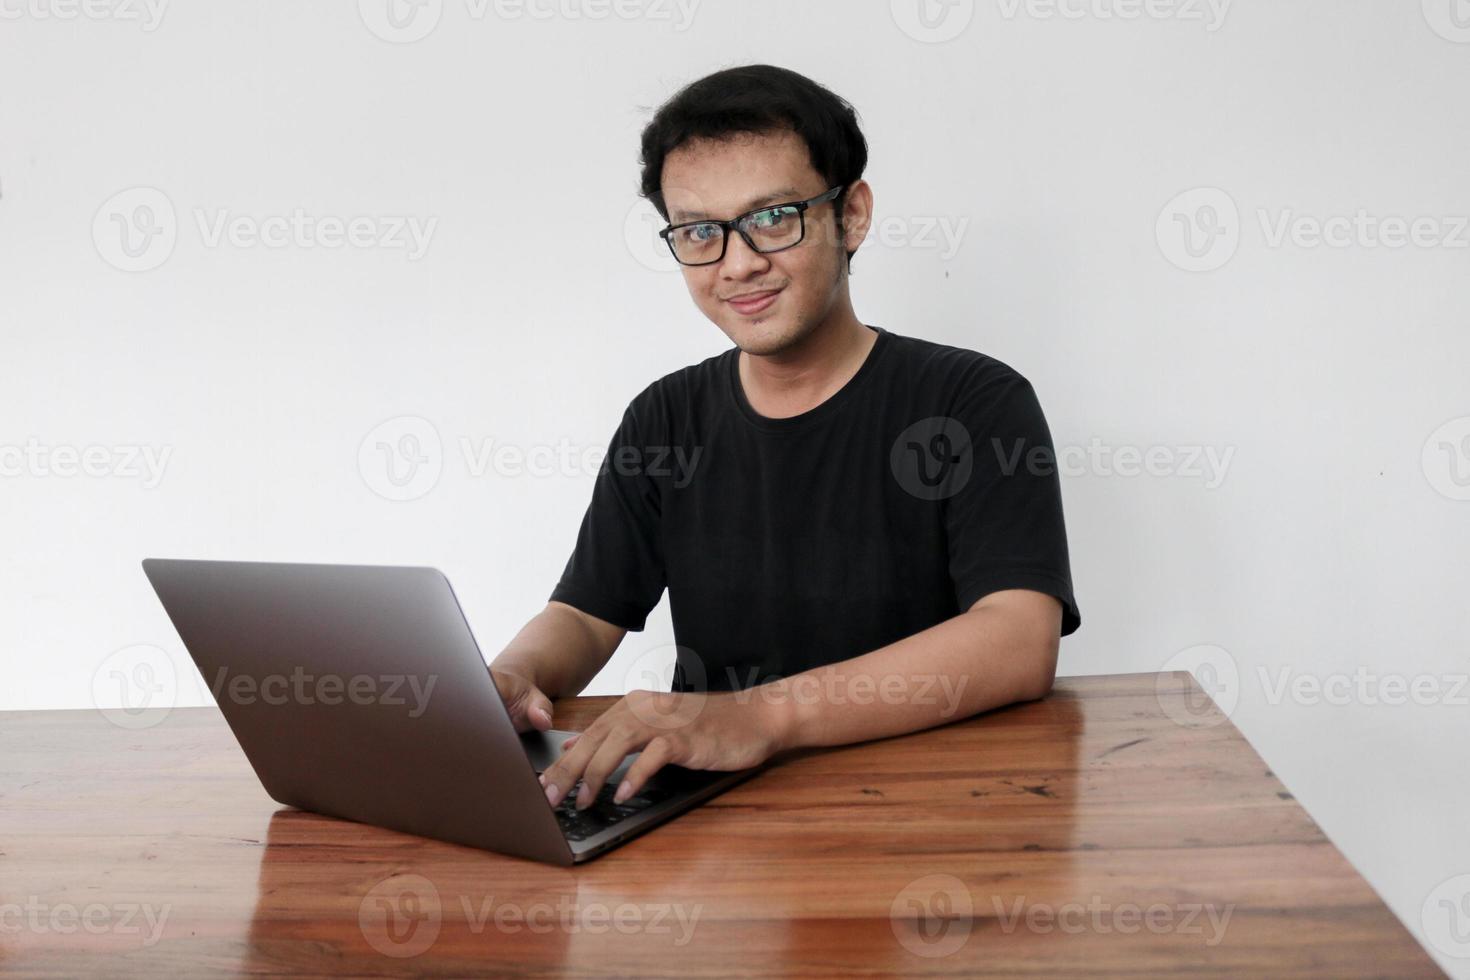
column 690, row 729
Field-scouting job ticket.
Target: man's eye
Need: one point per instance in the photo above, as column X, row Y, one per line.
column 770, row 219
column 699, row 234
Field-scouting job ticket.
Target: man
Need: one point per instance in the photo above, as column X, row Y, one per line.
column 860, row 532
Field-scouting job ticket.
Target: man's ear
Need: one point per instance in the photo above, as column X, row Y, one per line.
column 857, row 214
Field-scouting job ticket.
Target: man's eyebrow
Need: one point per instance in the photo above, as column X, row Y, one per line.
column 775, row 197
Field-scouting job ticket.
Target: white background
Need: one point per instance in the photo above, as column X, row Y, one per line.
column 1055, row 146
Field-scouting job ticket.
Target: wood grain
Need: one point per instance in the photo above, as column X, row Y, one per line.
column 1087, row 834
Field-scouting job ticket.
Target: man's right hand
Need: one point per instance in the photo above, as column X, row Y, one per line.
column 529, row 708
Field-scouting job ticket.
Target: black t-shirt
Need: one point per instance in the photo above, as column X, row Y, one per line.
column 924, row 483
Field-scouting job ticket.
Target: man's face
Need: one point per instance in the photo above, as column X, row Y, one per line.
column 723, row 179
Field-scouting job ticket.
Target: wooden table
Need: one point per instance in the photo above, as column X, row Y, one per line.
column 1119, row 827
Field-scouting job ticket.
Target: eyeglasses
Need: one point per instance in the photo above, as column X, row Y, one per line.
column 768, row 229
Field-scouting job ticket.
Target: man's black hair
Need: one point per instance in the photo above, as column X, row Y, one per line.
column 757, row 99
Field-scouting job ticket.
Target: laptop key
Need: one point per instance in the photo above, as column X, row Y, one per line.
column 578, row 825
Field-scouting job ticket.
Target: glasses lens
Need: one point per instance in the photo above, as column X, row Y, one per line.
column 774, row 228
column 694, row 244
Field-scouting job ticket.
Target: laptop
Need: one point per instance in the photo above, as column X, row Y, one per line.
column 359, row 692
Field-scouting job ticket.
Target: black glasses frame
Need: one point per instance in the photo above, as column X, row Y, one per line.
column 737, row 225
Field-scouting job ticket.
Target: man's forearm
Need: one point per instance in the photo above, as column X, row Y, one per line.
column 558, row 650
column 990, row 656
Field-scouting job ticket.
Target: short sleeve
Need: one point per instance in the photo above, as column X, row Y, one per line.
column 1004, row 520
column 616, row 570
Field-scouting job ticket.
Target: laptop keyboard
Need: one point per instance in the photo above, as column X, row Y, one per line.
column 578, row 825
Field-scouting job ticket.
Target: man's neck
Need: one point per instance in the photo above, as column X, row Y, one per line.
column 799, row 379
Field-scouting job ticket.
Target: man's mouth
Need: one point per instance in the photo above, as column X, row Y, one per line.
column 749, row 303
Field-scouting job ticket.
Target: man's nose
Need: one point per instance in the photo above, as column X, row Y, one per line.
column 740, row 259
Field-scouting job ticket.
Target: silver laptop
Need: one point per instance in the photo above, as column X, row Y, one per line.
column 358, row 691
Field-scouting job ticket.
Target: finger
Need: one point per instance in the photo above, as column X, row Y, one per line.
column 563, row 774
column 610, row 754
column 514, row 691
column 659, row 752
column 538, row 709
column 569, row 742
